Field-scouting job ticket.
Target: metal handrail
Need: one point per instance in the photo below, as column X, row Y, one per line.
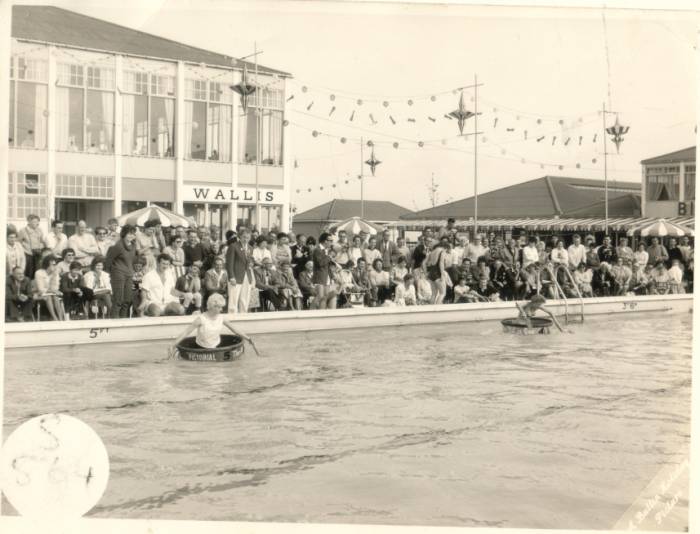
column 573, row 283
column 561, row 292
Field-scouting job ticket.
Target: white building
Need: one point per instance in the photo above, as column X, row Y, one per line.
column 668, row 184
column 106, row 119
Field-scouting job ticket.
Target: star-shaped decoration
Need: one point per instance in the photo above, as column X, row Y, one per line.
column 244, row 89
column 372, row 162
column 617, row 131
column 461, row 114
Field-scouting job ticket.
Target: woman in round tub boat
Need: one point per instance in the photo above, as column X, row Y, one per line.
column 209, row 325
column 537, row 302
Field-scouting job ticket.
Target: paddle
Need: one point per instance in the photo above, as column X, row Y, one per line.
column 250, row 340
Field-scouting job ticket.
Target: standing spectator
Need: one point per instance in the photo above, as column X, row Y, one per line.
column 530, row 253
column 371, row 252
column 583, row 277
column 403, row 250
column 641, row 256
column 15, row 255
column 31, row 238
column 98, row 289
column 177, row 256
column 101, row 241
column 189, row 285
column 449, row 231
column 119, row 264
column 216, row 280
column 321, row 277
column 622, row 276
column 420, row 253
column 606, row 252
column 147, row 245
column 300, row 254
column 592, row 258
column 284, row 251
column 84, row 245
column 204, row 237
column 47, row 286
column 675, row 276
column 543, row 255
column 389, row 251
column 239, row 267
column 113, row 230
column 625, row 252
column 194, row 251
column 73, row 296
column 686, row 250
column 18, row 299
column 476, row 250
column 56, row 240
column 159, row 292
column 355, row 251
column 559, row 254
column 657, row 252
column 674, row 251
column 577, row 253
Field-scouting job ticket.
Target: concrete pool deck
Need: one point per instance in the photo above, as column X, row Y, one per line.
column 55, row 334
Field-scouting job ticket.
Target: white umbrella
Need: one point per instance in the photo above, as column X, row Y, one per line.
column 661, row 228
column 165, row 217
column 355, row 225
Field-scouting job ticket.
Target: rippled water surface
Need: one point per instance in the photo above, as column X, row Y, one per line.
column 445, row 424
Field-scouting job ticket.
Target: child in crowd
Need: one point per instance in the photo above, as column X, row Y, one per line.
column 405, row 292
column 73, row 295
column 675, row 277
column 191, row 286
column 98, row 289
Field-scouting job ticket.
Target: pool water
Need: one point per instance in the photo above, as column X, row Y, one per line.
column 456, row 424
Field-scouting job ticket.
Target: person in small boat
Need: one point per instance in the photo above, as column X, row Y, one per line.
column 209, row 326
column 528, row 311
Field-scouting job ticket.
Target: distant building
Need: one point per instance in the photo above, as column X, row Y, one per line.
column 668, row 184
column 106, row 119
column 545, row 197
column 315, row 220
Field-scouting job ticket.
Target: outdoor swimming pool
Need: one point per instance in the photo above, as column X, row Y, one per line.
column 444, row 424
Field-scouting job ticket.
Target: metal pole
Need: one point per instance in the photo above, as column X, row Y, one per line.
column 258, row 101
column 605, row 170
column 362, row 180
column 476, row 194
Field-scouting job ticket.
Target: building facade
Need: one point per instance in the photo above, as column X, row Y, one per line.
column 668, row 184
column 99, row 128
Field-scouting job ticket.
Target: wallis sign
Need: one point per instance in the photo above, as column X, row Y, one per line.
column 230, row 194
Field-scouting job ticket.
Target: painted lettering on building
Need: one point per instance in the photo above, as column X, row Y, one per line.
column 229, row 194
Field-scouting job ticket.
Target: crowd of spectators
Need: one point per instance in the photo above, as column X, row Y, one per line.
column 115, row 271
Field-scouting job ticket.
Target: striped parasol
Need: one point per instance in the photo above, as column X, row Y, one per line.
column 355, row 225
column 165, row 217
column 661, row 228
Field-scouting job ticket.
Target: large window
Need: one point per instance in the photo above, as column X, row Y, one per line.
column 208, row 120
column 26, row 194
column 81, row 186
column 690, row 182
column 28, row 102
column 148, row 114
column 85, row 109
column 662, row 182
column 270, row 218
column 260, row 129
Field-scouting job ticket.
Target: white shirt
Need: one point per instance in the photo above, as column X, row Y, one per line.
column 103, row 246
column 57, row 243
column 577, row 254
column 85, row 247
column 91, row 281
column 159, row 292
column 475, row 251
column 642, row 257
column 530, row 255
column 259, row 254
column 560, row 255
column 404, row 296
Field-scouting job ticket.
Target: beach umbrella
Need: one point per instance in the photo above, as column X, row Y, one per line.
column 165, row 217
column 661, row 228
column 355, row 225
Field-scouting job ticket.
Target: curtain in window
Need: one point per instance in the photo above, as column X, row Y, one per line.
column 128, row 108
column 62, row 118
column 690, row 186
column 213, row 130
column 107, row 123
column 39, row 116
column 226, row 124
column 276, row 137
column 169, row 116
column 672, row 188
column 189, row 112
column 247, row 133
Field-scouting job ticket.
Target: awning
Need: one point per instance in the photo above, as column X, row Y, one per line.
column 617, row 224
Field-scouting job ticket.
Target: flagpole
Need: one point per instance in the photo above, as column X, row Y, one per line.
column 605, row 170
column 476, row 194
column 362, row 181
column 258, row 101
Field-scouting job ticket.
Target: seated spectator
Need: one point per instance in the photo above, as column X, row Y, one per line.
column 502, row 280
column 269, row 283
column 113, row 230
column 592, row 258
column 379, row 283
column 68, row 258
column 675, row 275
column 216, row 279
column 639, row 283
column 14, row 253
column 138, row 303
column 405, row 291
column 290, row 288
column 283, row 252
column 18, row 295
column 98, row 289
column 559, row 255
column 583, row 277
column 47, row 288
column 424, row 289
column 306, row 284
column 466, row 271
column 71, row 288
column 177, row 256
column 84, row 245
column 398, row 271
column 625, row 252
column 486, row 290
column 603, row 281
column 543, row 255
column 194, row 251
column 641, row 256
column 622, row 276
column 101, row 241
column 461, row 291
column 56, row 240
column 660, row 281
column 190, row 287
column 158, row 290
column 548, row 286
column 371, row 252
column 360, row 275
column 261, row 251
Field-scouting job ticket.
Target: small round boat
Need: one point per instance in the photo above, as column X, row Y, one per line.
column 230, row 348
column 518, row 325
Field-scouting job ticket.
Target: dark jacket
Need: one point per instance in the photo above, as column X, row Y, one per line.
column 120, row 260
column 237, row 263
column 13, row 290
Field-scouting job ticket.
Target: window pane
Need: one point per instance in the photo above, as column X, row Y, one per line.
column 11, row 136
column 271, row 145
column 132, row 205
column 99, row 124
column 219, row 124
column 195, row 126
column 69, row 119
column 247, row 133
column 162, row 124
column 135, row 124
column 31, row 115
column 690, row 185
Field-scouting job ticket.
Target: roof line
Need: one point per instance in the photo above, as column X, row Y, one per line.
column 178, row 43
column 330, row 209
column 553, row 194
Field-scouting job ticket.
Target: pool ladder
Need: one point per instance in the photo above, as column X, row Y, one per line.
column 560, row 292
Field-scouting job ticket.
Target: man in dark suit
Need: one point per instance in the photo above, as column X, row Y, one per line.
column 18, row 300
column 238, row 268
column 269, row 283
column 322, row 277
column 389, row 251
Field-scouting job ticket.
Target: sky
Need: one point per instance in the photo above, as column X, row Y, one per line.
column 547, row 71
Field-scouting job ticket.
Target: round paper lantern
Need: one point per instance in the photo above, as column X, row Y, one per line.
column 343, row 140
column 332, row 97
column 359, row 101
column 314, row 133
column 304, row 89
column 385, row 104
column 410, row 102
column 396, row 145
